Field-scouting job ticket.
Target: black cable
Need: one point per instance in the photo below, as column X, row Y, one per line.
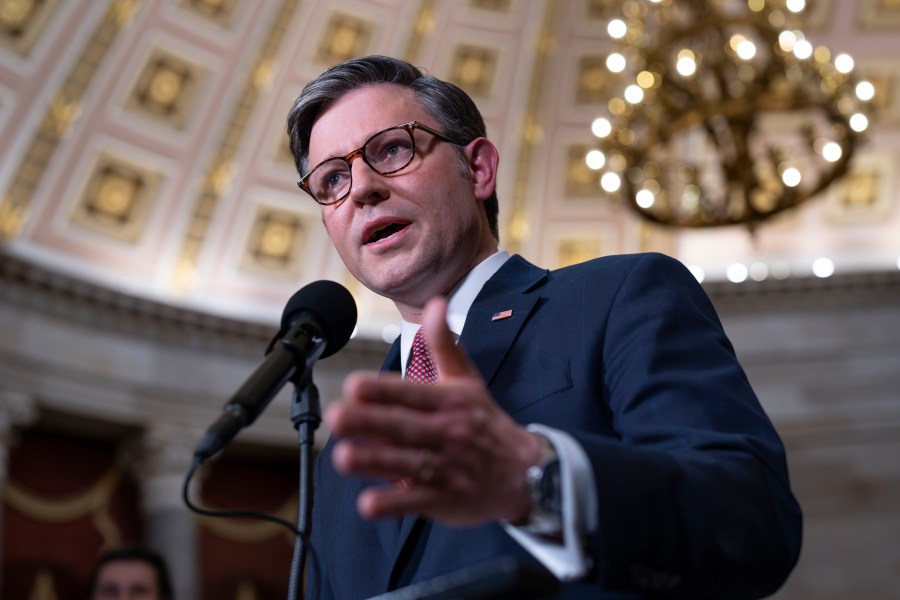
column 232, row 513
column 306, row 416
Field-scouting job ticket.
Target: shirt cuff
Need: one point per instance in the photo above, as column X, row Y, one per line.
column 566, row 559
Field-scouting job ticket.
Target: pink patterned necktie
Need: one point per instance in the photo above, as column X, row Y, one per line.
column 421, row 368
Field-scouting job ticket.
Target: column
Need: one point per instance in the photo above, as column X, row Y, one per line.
column 16, row 410
column 169, row 525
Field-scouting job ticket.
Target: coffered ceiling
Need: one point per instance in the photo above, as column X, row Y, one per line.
column 143, row 143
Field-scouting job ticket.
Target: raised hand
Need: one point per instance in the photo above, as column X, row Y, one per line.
column 450, row 452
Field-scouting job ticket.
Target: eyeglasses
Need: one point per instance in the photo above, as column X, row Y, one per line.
column 386, row 153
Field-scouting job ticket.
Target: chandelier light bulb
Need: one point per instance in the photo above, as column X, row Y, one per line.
column 610, row 182
column 690, row 197
column 787, row 40
column 736, row 273
column 646, row 79
column 758, row 271
column 697, row 272
column 865, row 91
column 595, row 160
column 832, row 152
column 795, row 6
column 822, row 54
column 791, row 177
column 843, row 63
column 617, row 162
column 686, row 66
column 645, row 199
column 859, row 122
column 617, row 29
column 803, row 49
column 746, row 49
column 781, row 270
column 634, row 94
column 823, row 267
column 615, row 62
column 601, row 127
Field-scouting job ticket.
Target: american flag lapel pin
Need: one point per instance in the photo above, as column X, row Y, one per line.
column 503, row 314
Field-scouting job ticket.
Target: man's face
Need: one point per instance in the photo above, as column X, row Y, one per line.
column 126, row 580
column 407, row 236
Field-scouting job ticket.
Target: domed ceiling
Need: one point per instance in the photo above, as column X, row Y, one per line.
column 143, row 145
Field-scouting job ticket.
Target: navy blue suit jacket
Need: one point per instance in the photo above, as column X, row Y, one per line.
column 627, row 354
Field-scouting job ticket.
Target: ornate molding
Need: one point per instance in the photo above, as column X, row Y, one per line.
column 34, row 287
column 842, row 291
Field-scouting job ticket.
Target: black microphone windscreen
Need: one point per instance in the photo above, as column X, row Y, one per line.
column 331, row 305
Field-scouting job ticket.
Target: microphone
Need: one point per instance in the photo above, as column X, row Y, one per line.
column 317, row 322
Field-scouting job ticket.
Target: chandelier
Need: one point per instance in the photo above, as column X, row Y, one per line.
column 723, row 113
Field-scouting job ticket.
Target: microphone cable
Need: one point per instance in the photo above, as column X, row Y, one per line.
column 230, row 513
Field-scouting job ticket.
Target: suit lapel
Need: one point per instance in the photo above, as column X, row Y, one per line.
column 392, row 360
column 489, row 333
column 499, row 312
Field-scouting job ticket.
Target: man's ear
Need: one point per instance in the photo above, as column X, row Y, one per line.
column 483, row 160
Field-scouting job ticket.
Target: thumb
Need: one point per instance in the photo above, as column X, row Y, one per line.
column 449, row 358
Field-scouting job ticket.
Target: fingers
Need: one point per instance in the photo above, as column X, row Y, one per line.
column 395, row 424
column 373, row 503
column 384, row 461
column 416, row 487
column 448, row 357
column 363, row 388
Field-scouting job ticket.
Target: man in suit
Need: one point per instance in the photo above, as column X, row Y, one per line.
column 591, row 421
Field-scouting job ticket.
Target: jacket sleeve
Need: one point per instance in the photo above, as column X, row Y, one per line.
column 693, row 492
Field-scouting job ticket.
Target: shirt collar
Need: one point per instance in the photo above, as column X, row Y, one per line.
column 461, row 299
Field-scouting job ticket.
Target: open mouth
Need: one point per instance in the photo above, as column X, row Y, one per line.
column 385, row 232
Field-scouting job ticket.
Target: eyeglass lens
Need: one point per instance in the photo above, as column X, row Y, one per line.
column 386, row 152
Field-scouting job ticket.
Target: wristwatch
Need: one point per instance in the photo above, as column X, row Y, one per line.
column 544, row 483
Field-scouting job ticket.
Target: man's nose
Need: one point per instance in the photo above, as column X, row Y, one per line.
column 367, row 185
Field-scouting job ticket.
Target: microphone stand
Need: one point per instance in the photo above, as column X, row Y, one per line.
column 306, row 415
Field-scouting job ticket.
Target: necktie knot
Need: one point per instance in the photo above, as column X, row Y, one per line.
column 421, row 368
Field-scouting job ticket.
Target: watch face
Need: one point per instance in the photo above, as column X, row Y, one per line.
column 544, row 481
column 551, row 488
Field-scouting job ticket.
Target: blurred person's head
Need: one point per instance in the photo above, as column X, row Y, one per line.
column 130, row 573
